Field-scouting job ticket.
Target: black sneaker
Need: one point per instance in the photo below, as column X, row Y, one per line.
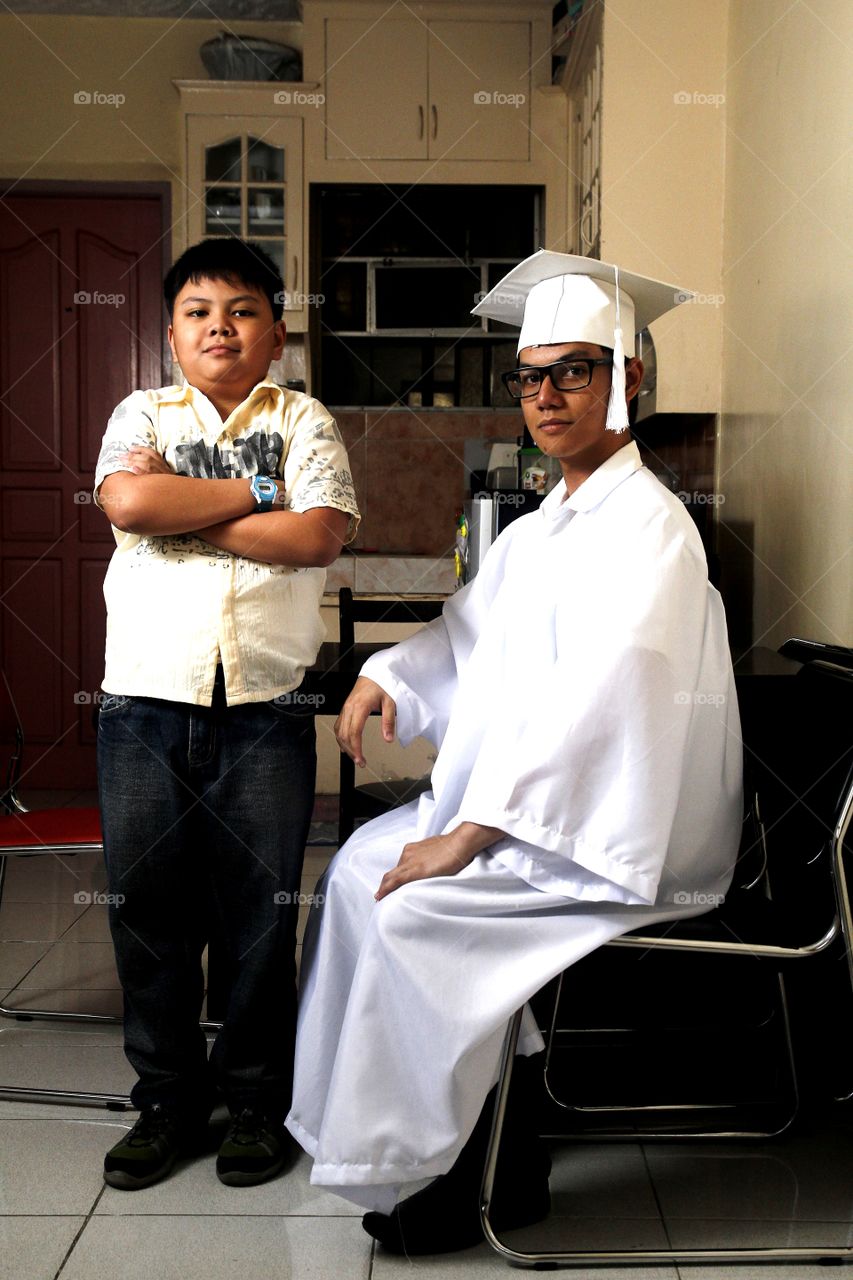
column 149, row 1152
column 255, row 1149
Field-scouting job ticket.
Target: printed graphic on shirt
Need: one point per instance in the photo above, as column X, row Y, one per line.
column 255, row 455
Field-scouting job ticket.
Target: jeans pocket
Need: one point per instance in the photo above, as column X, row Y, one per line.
column 297, row 705
column 113, row 702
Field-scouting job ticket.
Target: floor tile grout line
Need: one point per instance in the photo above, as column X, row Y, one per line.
column 661, row 1214
column 83, row 1227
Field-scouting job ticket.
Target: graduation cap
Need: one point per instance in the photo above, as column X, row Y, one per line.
column 561, row 297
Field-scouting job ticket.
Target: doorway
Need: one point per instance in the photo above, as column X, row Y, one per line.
column 82, row 319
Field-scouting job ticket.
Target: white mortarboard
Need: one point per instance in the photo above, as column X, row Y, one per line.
column 560, row 297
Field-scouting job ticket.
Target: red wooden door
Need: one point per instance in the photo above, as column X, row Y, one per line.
column 82, row 324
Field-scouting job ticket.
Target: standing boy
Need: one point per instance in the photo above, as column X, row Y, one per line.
column 228, row 496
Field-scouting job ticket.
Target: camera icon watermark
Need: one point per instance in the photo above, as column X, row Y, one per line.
column 699, row 699
column 85, row 898
column 85, row 698
column 696, row 99
column 287, row 299
column 683, row 898
column 83, row 498
column 298, row 98
column 296, row 698
column 282, row 898
column 698, row 299
column 700, row 498
column 85, row 298
column 95, row 98
column 497, row 299
column 495, row 98
column 503, row 498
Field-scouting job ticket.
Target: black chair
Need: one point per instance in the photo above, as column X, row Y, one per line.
column 373, row 798
column 794, row 914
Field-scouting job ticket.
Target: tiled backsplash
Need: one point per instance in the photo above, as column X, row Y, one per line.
column 392, row 575
column 411, row 480
column 410, row 475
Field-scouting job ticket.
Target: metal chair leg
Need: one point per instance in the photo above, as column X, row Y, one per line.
column 551, row 1260
column 651, row 1110
column 69, row 1097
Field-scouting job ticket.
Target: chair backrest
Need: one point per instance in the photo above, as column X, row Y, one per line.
column 10, row 733
column 353, row 609
column 798, row 749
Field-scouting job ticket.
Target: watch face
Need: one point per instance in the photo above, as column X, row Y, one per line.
column 264, row 489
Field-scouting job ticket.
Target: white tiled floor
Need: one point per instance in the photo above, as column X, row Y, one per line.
column 58, row 1219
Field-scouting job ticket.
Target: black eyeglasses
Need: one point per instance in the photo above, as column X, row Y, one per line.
column 565, row 375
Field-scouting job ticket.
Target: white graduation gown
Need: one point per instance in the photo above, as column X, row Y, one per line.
column 581, row 696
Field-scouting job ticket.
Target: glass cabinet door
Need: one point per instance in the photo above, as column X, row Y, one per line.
column 245, row 179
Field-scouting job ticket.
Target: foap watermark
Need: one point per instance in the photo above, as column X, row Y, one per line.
column 283, row 898
column 699, row 699
column 696, row 99
column 509, row 498
column 700, row 498
column 495, row 98
column 698, row 299
column 288, row 299
column 95, row 98
column 83, row 298
column 85, row 698
column 87, row 898
column 497, row 299
column 298, row 98
column 83, row 498
column 296, row 698
column 682, row 898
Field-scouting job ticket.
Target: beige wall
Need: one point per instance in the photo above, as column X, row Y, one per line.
column 786, row 456
column 46, row 60
column 662, row 169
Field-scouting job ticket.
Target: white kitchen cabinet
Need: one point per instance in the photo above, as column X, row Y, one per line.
column 401, row 88
column 244, row 177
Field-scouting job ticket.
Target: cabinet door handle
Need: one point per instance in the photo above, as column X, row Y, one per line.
column 434, row 110
column 586, row 231
column 420, row 121
column 295, row 272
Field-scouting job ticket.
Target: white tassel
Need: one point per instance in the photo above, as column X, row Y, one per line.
column 617, row 406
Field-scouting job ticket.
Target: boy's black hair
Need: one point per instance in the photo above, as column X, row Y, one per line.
column 231, row 259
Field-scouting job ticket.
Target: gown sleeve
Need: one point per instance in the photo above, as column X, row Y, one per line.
column 591, row 769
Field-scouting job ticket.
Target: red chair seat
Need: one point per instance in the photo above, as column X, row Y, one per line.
column 44, row 829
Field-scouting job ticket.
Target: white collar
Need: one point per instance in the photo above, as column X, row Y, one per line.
column 618, row 467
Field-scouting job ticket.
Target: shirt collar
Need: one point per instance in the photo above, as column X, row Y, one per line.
column 186, row 393
column 618, row 467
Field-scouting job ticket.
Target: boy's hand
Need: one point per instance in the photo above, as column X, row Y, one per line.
column 146, row 462
column 366, row 696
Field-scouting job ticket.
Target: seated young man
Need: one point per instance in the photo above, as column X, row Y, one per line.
column 609, row 799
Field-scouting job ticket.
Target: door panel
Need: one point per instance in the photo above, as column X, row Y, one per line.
column 479, row 91
column 82, row 319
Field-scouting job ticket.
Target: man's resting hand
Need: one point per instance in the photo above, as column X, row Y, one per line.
column 367, row 696
column 438, row 855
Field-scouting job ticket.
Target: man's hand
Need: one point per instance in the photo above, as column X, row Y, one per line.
column 438, row 856
column 146, row 462
column 367, row 696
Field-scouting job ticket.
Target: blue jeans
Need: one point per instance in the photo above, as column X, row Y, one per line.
column 205, row 815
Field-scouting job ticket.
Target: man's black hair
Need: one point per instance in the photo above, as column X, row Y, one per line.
column 232, row 260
